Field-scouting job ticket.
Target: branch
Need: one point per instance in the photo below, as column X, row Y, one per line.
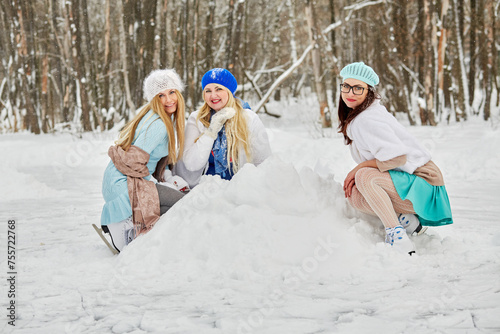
column 361, row 5
column 414, row 76
column 282, row 77
column 258, row 91
column 351, row 9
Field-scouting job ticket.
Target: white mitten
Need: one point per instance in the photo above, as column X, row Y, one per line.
column 167, row 174
column 175, row 182
column 218, row 121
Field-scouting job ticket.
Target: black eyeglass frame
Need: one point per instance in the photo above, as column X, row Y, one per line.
column 352, row 88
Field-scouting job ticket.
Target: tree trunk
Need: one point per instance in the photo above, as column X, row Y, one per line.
column 209, row 21
column 184, row 40
column 124, row 62
column 91, row 59
column 485, row 56
column 334, row 69
column 27, row 56
column 324, row 110
column 472, row 47
column 79, row 68
column 107, row 64
column 401, row 57
column 428, row 116
column 56, row 63
column 229, row 37
column 441, row 54
column 463, row 93
column 193, row 80
column 235, row 57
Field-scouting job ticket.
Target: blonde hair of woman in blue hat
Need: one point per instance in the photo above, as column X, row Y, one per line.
column 222, row 135
column 395, row 178
column 134, row 186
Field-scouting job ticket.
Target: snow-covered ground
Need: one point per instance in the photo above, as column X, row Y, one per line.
column 276, row 250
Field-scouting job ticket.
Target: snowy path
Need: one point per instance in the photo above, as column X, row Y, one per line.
column 276, row 250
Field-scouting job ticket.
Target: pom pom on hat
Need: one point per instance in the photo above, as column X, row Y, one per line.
column 220, row 76
column 360, row 71
column 160, row 80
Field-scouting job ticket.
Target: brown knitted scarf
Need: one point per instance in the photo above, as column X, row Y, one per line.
column 143, row 194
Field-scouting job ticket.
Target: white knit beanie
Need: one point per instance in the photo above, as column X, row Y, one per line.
column 160, row 80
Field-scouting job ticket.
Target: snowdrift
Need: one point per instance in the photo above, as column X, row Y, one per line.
column 269, row 222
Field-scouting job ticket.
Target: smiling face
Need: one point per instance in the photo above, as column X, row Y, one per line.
column 216, row 96
column 350, row 99
column 168, row 99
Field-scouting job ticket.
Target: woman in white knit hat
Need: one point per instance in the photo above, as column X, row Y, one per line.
column 395, row 178
column 134, row 186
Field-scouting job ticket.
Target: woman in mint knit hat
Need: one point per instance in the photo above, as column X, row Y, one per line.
column 395, row 178
column 223, row 134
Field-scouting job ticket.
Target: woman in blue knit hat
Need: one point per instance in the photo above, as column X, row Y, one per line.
column 395, row 178
column 222, row 135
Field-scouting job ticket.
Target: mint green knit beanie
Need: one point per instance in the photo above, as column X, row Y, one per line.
column 360, row 71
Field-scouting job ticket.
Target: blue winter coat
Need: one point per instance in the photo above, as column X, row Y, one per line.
column 151, row 136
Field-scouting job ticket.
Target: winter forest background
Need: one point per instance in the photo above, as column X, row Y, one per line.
column 79, row 64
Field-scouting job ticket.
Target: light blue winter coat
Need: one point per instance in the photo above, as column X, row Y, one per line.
column 151, row 136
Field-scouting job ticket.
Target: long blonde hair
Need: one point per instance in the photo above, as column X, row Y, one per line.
column 175, row 137
column 237, row 131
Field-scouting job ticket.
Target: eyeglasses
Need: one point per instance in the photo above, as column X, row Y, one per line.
column 356, row 90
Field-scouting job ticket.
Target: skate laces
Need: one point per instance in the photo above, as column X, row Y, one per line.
column 394, row 233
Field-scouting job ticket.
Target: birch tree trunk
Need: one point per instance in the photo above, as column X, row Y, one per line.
column 441, row 54
column 463, row 92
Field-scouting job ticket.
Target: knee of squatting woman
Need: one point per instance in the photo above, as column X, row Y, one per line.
column 395, row 178
column 222, row 135
column 133, row 186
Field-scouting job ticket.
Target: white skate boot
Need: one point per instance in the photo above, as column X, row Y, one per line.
column 411, row 223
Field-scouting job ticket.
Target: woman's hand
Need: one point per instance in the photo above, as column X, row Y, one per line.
column 218, row 121
column 350, row 181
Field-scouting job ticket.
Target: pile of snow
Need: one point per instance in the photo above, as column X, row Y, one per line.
column 265, row 222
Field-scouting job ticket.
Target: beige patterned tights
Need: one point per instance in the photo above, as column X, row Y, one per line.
column 375, row 194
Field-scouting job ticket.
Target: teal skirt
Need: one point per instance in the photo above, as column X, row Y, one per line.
column 431, row 203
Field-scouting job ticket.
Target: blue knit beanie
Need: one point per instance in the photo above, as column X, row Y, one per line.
column 360, row 71
column 220, row 76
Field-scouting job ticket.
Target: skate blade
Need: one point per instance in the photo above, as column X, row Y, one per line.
column 422, row 231
column 100, row 232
